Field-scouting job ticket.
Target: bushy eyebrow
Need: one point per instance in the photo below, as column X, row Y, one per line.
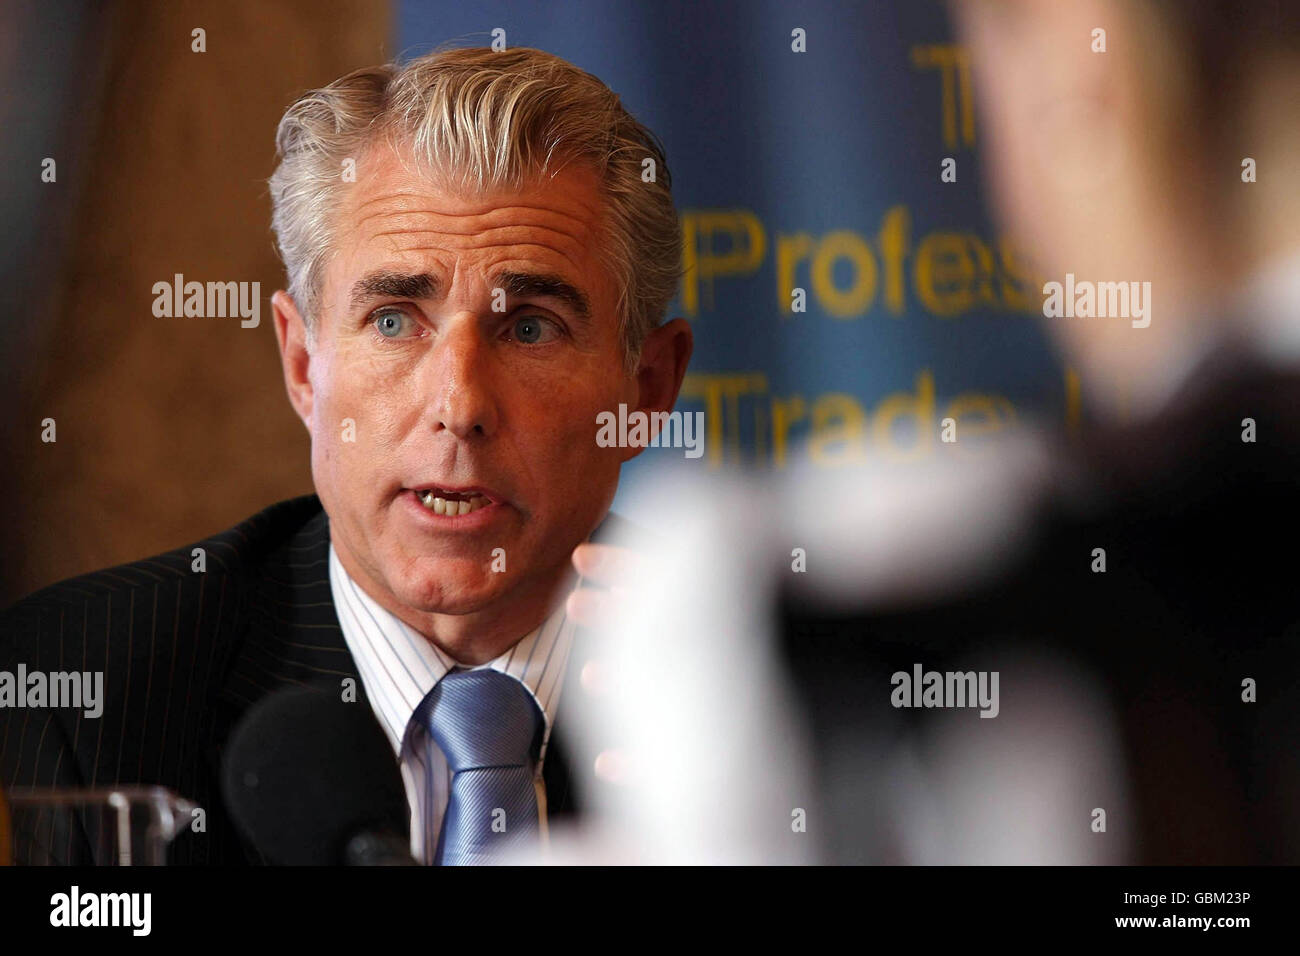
column 528, row 284
column 423, row 285
column 394, row 285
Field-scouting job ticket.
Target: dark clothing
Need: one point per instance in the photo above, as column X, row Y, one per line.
column 184, row 655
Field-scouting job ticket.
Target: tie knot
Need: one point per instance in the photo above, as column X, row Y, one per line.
column 482, row 718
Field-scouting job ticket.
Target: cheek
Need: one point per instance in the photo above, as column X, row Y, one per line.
column 353, row 421
column 561, row 433
column 368, row 404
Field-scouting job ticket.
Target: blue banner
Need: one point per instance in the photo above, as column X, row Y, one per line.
column 846, row 287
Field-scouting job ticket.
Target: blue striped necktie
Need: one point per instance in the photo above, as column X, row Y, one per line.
column 489, row 728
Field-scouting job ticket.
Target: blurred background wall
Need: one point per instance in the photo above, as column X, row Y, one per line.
column 167, row 429
column 807, row 160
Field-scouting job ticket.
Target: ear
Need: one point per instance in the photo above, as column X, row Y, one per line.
column 664, row 356
column 659, row 374
column 291, row 334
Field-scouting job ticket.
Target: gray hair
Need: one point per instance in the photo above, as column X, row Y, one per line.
column 482, row 119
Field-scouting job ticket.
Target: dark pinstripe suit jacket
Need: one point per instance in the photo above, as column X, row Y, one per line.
column 184, row 654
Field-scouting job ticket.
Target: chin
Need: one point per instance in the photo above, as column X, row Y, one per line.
column 448, row 588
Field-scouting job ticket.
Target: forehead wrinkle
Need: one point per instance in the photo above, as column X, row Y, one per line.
column 475, row 240
column 395, row 206
column 433, row 226
column 573, row 245
column 577, row 266
column 572, row 233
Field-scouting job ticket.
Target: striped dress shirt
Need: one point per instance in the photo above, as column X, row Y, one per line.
column 399, row 667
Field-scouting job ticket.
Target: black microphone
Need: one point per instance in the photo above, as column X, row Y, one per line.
column 311, row 780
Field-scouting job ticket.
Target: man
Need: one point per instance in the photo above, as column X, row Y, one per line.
column 477, row 268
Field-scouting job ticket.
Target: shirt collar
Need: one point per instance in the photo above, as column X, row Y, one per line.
column 399, row 666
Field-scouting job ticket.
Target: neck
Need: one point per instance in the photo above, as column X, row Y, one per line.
column 475, row 637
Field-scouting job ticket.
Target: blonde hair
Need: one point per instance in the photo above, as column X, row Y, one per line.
column 480, row 119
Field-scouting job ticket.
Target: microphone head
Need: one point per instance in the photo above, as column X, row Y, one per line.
column 305, row 771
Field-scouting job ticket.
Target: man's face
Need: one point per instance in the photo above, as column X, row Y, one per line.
column 422, row 392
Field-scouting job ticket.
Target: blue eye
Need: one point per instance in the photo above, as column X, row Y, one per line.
column 530, row 330
column 390, row 323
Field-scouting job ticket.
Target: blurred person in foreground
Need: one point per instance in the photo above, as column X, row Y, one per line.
column 1131, row 587
column 477, row 270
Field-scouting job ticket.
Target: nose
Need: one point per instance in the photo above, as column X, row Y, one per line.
column 463, row 399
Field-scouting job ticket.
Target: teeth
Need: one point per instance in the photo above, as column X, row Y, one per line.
column 452, row 506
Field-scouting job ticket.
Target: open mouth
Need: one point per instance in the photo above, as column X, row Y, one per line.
column 451, row 503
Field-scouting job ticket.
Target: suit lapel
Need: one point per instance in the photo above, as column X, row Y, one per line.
column 293, row 634
column 289, row 635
